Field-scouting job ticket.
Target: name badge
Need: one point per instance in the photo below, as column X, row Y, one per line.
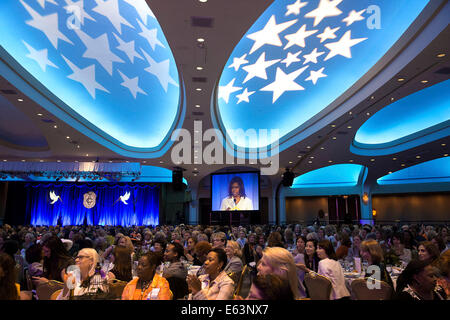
column 153, row 295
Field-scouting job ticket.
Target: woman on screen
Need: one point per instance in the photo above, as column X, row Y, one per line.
column 236, row 200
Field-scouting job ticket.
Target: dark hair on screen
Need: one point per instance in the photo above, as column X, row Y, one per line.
column 273, row 287
column 221, row 256
column 239, row 181
column 328, row 247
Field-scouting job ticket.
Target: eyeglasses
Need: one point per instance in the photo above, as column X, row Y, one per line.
column 81, row 257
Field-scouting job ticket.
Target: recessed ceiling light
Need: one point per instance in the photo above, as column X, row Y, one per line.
column 334, row 138
column 299, row 156
column 197, row 106
column 78, row 146
column 394, row 159
column 368, row 114
column 20, row 100
column 23, row 160
column 389, row 172
column 308, row 147
column 67, row 137
column 201, row 40
column 400, row 79
column 161, row 162
column 199, row 89
column 350, row 160
column 424, row 81
column 4, row 160
column 309, row 161
column 55, row 126
column 87, row 154
column 203, row 1
column 330, row 161
column 446, row 155
column 372, row 160
column 349, row 127
column 441, row 55
column 443, row 144
column 58, row 160
column 195, row 150
column 402, row 164
column 290, row 162
column 350, row 112
column 333, row 125
column 311, row 157
column 40, row 114
column 144, row 161
column 195, row 157
column 392, row 98
column 372, row 97
column 322, row 148
column 41, row 160
column 417, row 157
column 196, row 142
column 199, row 68
column 195, row 174
column 110, row 161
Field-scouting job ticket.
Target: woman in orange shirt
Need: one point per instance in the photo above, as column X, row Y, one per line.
column 148, row 285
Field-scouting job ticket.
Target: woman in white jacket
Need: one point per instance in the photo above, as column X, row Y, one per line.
column 330, row 268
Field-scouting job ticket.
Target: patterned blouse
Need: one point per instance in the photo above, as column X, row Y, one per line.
column 158, row 290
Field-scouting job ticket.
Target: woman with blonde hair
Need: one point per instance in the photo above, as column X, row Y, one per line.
column 234, row 254
column 79, row 279
column 279, row 261
column 371, row 252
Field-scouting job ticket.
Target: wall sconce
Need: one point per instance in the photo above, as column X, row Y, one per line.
column 365, row 198
column 374, row 213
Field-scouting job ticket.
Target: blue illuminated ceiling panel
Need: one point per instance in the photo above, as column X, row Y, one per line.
column 338, row 175
column 437, row 170
column 419, row 118
column 300, row 56
column 107, row 62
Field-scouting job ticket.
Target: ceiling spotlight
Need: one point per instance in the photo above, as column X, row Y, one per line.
column 20, row 100
column 203, row 1
column 333, row 125
column 392, row 98
column 198, row 89
column 350, row 113
column 446, row 155
column 349, row 127
column 23, row 160
column 58, row 160
column 201, row 40
column 55, row 126
column 394, row 159
column 334, row 138
column 441, row 55
column 197, row 106
column 368, row 114
column 67, row 137
column 78, row 146
column 299, row 156
column 389, row 172
column 372, row 160
column 309, row 161
column 330, row 161
column 322, row 148
column 308, row 147
column 400, row 79
column 350, row 160
column 161, row 162
column 41, row 160
column 40, row 114
column 424, row 81
column 199, row 68
column 4, row 160
column 311, row 157
column 290, row 162
column 87, row 154
column 417, row 157
column 402, row 164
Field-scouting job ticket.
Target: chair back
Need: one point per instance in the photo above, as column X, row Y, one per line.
column 240, row 280
column 319, row 287
column 55, row 294
column 116, row 288
column 44, row 291
column 179, row 287
column 379, row 290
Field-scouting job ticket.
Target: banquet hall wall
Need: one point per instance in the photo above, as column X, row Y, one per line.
column 412, row 207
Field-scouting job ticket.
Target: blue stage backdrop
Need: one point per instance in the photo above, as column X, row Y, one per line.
column 142, row 207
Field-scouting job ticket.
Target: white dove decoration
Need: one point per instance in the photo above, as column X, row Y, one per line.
column 125, row 197
column 54, row 197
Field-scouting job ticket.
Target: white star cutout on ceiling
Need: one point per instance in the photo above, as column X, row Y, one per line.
column 342, row 47
column 237, row 62
column 142, row 9
column 315, row 75
column 150, row 35
column 85, row 76
column 71, row 5
column 312, row 57
column 354, row 16
column 284, row 82
column 291, row 58
column 299, row 37
column 244, row 96
column 160, row 70
column 42, row 2
column 269, row 34
column 131, row 84
column 110, row 9
column 99, row 49
column 225, row 91
column 326, row 8
column 47, row 24
column 128, row 48
column 295, row 8
column 258, row 69
column 40, row 56
column 328, row 33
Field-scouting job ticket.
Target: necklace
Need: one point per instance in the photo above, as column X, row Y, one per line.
column 144, row 287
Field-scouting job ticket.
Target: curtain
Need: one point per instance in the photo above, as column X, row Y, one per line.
column 142, row 207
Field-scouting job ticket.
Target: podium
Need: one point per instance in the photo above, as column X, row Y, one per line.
column 234, row 218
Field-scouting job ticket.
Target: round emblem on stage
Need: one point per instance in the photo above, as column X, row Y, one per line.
column 89, row 199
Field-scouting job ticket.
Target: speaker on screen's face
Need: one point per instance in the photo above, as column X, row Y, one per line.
column 288, row 178
column 177, row 180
